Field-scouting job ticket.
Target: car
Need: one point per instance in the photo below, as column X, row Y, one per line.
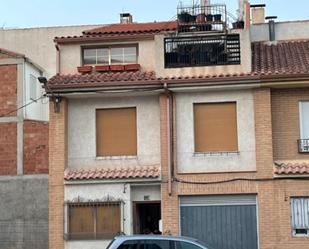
column 155, row 242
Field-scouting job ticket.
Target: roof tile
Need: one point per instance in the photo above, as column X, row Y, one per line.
column 291, row 167
column 152, row 27
column 116, row 173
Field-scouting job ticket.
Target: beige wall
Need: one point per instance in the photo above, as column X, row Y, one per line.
column 190, row 162
column 38, row 44
column 82, row 132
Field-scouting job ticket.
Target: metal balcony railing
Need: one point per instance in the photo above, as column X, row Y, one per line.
column 303, row 145
column 198, row 18
column 207, row 50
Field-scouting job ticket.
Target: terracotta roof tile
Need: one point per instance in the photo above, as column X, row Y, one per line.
column 116, row 173
column 100, row 79
column 152, row 27
column 291, row 167
column 285, row 57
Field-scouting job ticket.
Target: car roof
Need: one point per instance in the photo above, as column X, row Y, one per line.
column 155, row 237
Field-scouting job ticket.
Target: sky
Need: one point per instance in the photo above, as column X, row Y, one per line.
column 38, row 13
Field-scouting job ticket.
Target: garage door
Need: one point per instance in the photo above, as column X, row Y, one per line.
column 223, row 222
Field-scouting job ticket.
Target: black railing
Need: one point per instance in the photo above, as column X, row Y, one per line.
column 202, row 18
column 202, row 51
column 303, row 145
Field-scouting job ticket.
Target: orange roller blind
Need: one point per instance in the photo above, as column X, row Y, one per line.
column 215, row 127
column 116, row 132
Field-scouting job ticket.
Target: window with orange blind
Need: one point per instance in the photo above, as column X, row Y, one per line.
column 215, row 127
column 116, row 132
column 94, row 220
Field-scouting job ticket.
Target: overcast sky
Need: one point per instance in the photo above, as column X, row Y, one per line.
column 36, row 13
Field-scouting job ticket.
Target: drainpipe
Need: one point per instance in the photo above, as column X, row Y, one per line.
column 57, row 59
column 169, row 116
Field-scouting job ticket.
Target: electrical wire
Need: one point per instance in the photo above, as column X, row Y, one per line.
column 238, row 179
column 23, row 106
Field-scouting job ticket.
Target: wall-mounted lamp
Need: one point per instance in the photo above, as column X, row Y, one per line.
column 57, row 101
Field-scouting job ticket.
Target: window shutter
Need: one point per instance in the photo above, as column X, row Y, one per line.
column 108, row 220
column 116, row 132
column 81, row 222
column 300, row 213
column 215, row 127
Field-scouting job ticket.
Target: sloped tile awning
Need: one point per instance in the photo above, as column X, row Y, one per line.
column 137, row 172
column 291, row 167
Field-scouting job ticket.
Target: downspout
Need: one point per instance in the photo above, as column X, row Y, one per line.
column 169, row 116
column 57, row 59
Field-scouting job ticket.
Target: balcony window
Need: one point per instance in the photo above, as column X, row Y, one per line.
column 110, row 55
column 303, row 142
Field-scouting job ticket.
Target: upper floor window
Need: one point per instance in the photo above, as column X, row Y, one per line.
column 116, row 132
column 110, row 55
column 215, row 127
column 304, row 126
column 300, row 216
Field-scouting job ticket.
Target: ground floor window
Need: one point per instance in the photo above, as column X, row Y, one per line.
column 300, row 216
column 94, row 220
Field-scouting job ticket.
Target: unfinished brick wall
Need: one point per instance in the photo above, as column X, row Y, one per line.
column 8, row 89
column 286, row 123
column 35, row 147
column 8, row 148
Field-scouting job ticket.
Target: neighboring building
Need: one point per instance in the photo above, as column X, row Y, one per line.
column 24, row 134
column 190, row 122
column 23, row 154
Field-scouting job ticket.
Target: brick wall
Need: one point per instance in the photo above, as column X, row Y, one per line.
column 8, row 89
column 8, row 147
column 57, row 165
column 286, row 125
column 35, row 147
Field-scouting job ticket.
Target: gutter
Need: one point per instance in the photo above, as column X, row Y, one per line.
column 169, row 118
column 57, row 59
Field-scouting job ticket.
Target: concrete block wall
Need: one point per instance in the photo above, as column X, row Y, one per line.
column 23, row 212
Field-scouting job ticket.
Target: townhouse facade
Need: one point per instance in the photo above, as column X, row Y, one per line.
column 189, row 127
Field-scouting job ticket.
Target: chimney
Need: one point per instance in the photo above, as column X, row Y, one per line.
column 258, row 13
column 126, row 18
column 272, row 28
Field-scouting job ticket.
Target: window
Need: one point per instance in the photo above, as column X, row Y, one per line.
column 94, row 221
column 110, row 55
column 304, row 126
column 116, row 132
column 300, row 216
column 155, row 244
column 33, row 87
column 215, row 127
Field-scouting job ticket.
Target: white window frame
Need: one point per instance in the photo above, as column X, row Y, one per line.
column 304, row 209
column 109, row 48
column 303, row 144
